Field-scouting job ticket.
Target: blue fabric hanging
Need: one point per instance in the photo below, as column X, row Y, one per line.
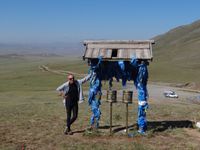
column 141, row 85
column 96, row 113
column 95, row 92
column 125, row 70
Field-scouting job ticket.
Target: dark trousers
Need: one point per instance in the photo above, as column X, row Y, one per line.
column 69, row 109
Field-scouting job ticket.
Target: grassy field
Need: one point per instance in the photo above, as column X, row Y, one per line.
column 33, row 116
column 172, row 72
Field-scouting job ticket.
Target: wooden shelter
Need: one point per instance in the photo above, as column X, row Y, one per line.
column 119, row 49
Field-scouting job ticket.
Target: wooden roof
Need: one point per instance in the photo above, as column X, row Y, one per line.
column 119, row 49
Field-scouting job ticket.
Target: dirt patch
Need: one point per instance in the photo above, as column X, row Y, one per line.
column 61, row 72
column 192, row 86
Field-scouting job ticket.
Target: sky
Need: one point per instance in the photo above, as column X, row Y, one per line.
column 48, row 21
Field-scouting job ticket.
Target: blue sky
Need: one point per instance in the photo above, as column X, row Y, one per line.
column 27, row 21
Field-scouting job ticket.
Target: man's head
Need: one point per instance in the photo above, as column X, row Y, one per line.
column 70, row 78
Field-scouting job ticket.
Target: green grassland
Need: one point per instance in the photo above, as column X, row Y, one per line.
column 173, row 72
column 33, row 116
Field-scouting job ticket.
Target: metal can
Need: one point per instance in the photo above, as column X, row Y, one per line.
column 127, row 96
column 112, row 96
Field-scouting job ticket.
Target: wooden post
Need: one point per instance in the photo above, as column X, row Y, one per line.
column 127, row 118
column 110, row 118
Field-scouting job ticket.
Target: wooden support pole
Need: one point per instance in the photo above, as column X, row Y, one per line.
column 127, row 118
column 110, row 118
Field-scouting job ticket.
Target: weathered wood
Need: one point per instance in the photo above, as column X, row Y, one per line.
column 118, row 46
column 115, row 50
column 118, row 41
column 95, row 53
column 122, row 53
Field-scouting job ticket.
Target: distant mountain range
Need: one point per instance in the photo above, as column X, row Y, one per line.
column 59, row 48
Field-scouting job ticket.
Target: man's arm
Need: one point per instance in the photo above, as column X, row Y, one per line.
column 61, row 89
column 81, row 81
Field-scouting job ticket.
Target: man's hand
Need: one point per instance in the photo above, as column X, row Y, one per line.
column 60, row 94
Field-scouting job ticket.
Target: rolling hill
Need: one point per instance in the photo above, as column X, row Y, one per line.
column 180, row 44
column 177, row 54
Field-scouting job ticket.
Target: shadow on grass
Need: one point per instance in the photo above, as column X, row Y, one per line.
column 101, row 127
column 78, row 131
column 107, row 127
column 160, row 126
column 130, row 127
column 154, row 126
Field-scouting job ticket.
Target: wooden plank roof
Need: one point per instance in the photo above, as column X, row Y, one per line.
column 118, row 49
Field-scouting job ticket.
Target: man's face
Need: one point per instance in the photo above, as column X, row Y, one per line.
column 71, row 79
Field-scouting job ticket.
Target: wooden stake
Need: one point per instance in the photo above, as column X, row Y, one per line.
column 110, row 118
column 127, row 118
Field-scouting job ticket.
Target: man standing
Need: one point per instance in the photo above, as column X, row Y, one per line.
column 72, row 92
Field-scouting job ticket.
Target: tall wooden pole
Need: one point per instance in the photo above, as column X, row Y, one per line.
column 127, row 118
column 110, row 118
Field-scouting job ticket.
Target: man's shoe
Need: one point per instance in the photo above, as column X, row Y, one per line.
column 66, row 131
